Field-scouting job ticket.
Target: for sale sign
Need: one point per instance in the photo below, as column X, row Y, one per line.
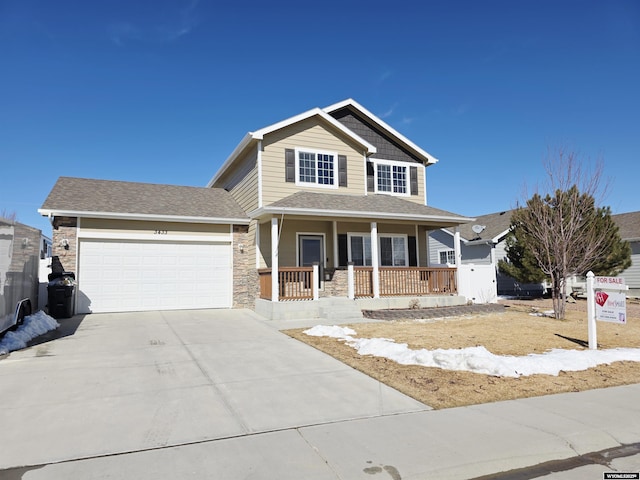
column 611, row 301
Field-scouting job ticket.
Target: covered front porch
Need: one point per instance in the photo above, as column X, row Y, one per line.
column 370, row 248
column 301, row 295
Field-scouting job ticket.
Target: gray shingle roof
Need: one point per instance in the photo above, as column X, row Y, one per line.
column 363, row 205
column 494, row 223
column 629, row 225
column 88, row 195
column 498, row 223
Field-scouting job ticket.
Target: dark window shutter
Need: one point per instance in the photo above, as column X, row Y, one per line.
column 413, row 254
column 342, row 170
column 370, row 178
column 413, row 177
column 290, row 164
column 343, row 254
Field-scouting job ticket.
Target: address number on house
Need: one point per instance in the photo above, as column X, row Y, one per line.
column 160, row 232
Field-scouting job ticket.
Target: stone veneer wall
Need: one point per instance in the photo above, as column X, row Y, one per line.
column 65, row 228
column 245, row 276
column 337, row 286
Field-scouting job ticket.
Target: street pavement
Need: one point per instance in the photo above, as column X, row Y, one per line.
column 222, row 394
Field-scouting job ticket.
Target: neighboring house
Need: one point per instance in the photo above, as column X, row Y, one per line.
column 482, row 242
column 328, row 187
column 629, row 225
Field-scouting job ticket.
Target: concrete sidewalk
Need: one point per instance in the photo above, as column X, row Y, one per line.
column 221, row 394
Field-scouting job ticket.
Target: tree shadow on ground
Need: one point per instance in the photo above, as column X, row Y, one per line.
column 582, row 343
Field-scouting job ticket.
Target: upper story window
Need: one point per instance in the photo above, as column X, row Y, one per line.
column 394, row 178
column 314, row 167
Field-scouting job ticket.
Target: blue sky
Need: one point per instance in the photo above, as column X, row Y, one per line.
column 162, row 90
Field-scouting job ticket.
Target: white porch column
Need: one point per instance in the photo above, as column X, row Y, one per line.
column 458, row 254
column 417, row 247
column 275, row 288
column 336, row 261
column 351, row 287
column 375, row 261
column 315, row 281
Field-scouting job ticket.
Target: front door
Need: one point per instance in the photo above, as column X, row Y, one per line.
column 311, row 248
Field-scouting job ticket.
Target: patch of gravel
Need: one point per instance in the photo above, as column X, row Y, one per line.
column 435, row 312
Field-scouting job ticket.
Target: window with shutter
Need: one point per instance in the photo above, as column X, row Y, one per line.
column 371, row 178
column 314, row 167
column 391, row 177
column 290, row 165
column 342, row 170
column 413, row 180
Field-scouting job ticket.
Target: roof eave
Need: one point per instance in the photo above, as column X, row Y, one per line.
column 244, row 143
column 356, row 214
column 501, row 235
column 481, row 241
column 141, row 216
column 259, row 134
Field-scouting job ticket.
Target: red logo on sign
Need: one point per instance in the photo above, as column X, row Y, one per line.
column 601, row 298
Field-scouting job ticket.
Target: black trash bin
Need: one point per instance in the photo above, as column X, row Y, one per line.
column 61, row 294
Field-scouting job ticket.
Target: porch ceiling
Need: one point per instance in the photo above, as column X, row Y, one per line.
column 360, row 208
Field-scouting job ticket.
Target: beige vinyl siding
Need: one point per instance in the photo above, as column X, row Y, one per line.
column 423, row 254
column 420, row 198
column 288, row 251
column 241, row 180
column 250, row 249
column 408, row 229
column 353, row 227
column 289, row 240
column 308, row 134
column 265, row 243
column 141, row 227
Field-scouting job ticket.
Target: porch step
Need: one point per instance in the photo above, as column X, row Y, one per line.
column 336, row 308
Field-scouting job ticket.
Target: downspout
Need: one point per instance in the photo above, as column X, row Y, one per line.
column 425, row 186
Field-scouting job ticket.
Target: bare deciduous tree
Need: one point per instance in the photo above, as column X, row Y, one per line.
column 564, row 231
column 11, row 216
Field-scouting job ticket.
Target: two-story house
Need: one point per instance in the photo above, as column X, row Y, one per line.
column 328, row 203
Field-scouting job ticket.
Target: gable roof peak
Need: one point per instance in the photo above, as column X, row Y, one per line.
column 353, row 105
column 257, row 135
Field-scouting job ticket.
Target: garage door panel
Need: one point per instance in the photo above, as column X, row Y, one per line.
column 135, row 275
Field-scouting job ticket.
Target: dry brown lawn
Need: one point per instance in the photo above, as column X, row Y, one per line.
column 514, row 332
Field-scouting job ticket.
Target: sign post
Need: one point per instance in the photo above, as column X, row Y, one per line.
column 606, row 301
column 591, row 312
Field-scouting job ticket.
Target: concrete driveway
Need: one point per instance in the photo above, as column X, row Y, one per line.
column 224, row 395
column 134, row 382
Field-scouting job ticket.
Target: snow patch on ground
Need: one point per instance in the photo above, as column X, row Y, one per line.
column 34, row 325
column 479, row 359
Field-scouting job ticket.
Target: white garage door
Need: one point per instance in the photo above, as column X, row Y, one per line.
column 122, row 276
